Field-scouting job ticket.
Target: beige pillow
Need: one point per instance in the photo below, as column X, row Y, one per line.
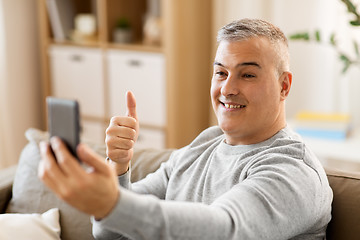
column 30, row 195
column 30, row 226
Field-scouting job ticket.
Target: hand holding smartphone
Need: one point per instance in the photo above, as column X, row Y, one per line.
column 64, row 122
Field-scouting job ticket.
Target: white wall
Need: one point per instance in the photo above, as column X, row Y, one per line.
column 317, row 82
column 19, row 76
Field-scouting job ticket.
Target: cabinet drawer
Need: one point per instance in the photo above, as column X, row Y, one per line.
column 144, row 75
column 77, row 73
column 151, row 138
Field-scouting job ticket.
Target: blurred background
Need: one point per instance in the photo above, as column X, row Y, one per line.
column 96, row 50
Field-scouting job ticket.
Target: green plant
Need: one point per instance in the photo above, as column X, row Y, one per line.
column 123, row 23
column 352, row 10
column 346, row 59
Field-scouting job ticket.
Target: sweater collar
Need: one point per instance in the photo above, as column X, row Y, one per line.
column 238, row 149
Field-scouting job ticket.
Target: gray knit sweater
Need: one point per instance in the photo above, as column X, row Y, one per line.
column 276, row 189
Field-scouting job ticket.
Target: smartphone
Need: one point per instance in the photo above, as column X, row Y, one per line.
column 64, row 121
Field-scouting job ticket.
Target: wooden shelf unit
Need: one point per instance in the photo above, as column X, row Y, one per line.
column 186, row 47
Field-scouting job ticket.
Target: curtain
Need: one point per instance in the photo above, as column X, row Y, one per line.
column 2, row 88
column 19, row 76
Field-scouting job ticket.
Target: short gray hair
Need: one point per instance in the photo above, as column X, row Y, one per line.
column 244, row 29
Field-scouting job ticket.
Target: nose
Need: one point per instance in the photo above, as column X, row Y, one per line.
column 229, row 87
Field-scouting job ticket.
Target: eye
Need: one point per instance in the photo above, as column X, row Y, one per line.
column 247, row 75
column 220, row 73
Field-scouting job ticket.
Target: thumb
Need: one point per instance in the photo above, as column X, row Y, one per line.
column 131, row 105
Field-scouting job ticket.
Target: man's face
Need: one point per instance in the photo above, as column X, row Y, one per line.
column 247, row 90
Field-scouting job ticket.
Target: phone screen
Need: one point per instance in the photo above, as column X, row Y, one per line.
column 63, row 121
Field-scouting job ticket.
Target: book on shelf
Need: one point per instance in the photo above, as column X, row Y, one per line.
column 61, row 15
column 332, row 126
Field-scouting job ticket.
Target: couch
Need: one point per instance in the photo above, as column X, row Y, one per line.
column 22, row 193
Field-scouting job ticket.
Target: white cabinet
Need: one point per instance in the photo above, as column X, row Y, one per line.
column 143, row 74
column 151, row 138
column 77, row 73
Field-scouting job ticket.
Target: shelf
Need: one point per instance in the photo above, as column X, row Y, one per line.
column 185, row 38
column 134, row 11
column 76, row 44
column 136, row 47
column 121, row 46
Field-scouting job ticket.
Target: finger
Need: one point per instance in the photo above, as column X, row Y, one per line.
column 44, row 176
column 119, row 143
column 49, row 171
column 123, row 121
column 91, row 158
column 66, row 161
column 121, row 132
column 131, row 105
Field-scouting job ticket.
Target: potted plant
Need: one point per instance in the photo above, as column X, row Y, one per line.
column 346, row 59
column 123, row 32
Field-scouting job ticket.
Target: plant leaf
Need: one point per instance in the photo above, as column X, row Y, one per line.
column 317, row 36
column 332, row 39
column 346, row 61
column 356, row 48
column 300, row 36
column 346, row 67
column 344, row 58
column 350, row 6
column 355, row 23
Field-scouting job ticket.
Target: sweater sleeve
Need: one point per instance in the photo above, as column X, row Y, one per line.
column 154, row 184
column 102, row 233
column 269, row 204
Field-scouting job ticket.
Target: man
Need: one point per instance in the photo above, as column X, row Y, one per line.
column 250, row 177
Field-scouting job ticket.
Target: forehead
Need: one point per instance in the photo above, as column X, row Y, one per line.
column 258, row 50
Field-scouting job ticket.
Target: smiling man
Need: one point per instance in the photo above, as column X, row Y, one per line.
column 250, row 177
column 250, row 83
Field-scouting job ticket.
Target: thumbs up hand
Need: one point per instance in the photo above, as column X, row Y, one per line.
column 122, row 134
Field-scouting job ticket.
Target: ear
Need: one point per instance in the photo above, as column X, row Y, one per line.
column 285, row 83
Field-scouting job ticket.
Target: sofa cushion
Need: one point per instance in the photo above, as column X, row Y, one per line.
column 146, row 161
column 6, row 180
column 31, row 226
column 345, row 220
column 30, row 195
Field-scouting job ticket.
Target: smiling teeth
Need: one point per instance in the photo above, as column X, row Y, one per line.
column 233, row 106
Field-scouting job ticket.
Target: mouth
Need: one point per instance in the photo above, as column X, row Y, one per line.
column 232, row 105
